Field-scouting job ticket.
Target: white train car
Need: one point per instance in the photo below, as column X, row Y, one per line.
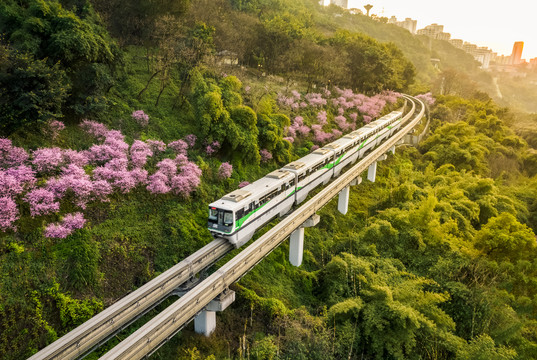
column 310, row 171
column 239, row 214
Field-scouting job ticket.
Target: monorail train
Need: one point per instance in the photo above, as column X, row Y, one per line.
column 237, row 215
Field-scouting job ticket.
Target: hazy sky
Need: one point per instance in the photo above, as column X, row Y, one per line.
column 496, row 24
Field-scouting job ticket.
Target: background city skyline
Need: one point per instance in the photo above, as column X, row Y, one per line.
column 495, row 24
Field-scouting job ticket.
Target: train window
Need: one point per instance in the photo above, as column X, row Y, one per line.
column 301, row 176
column 213, row 214
column 239, row 214
column 228, row 218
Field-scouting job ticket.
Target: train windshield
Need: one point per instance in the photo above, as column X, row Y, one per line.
column 220, row 219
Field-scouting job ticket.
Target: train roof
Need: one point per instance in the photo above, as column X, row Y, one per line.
column 341, row 143
column 309, row 160
column 240, row 198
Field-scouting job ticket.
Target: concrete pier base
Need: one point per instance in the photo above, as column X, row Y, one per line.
column 296, row 247
column 205, row 322
column 343, row 201
column 393, row 150
column 372, row 172
column 296, row 241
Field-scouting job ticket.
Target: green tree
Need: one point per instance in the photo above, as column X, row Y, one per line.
column 31, row 91
column 503, row 237
column 77, row 41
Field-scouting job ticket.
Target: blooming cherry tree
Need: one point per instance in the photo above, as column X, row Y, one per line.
column 225, row 170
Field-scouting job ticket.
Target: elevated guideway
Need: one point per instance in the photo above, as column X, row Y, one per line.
column 115, row 318
column 162, row 327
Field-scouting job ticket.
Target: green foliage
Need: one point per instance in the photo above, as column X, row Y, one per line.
column 31, row 92
column 382, row 66
column 223, row 118
column 271, row 128
column 80, row 256
column 75, row 43
column 72, row 312
column 504, row 238
column 134, row 22
column 483, row 348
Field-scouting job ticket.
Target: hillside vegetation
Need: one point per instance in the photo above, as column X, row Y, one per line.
column 122, row 121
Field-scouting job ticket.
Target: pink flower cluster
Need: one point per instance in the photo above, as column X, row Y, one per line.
column 94, row 128
column 289, row 138
column 42, row 202
column 191, row 140
column 212, row 148
column 265, row 155
column 140, row 117
column 427, row 98
column 319, row 136
column 64, row 228
column 225, row 170
column 8, row 213
column 344, row 104
column 315, row 99
column 47, row 159
column 243, row 184
column 298, row 126
column 156, row 145
column 179, row 146
column 322, row 117
column 11, row 155
column 341, row 121
column 117, row 167
column 54, row 128
column 167, row 178
column 140, row 152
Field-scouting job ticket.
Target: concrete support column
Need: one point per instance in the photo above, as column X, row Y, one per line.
column 296, row 241
column 205, row 322
column 296, row 247
column 343, row 200
column 393, row 149
column 372, row 172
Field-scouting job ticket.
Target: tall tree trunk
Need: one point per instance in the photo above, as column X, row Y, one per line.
column 147, row 85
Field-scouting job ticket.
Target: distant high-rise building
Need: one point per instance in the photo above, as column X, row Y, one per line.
column 516, row 55
column 435, row 31
column 343, row 3
column 408, row 24
column 457, row 43
column 469, row 47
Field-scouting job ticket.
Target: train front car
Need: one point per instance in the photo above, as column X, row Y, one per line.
column 251, row 207
column 221, row 221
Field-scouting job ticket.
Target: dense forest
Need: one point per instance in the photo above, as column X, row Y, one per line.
column 121, row 121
